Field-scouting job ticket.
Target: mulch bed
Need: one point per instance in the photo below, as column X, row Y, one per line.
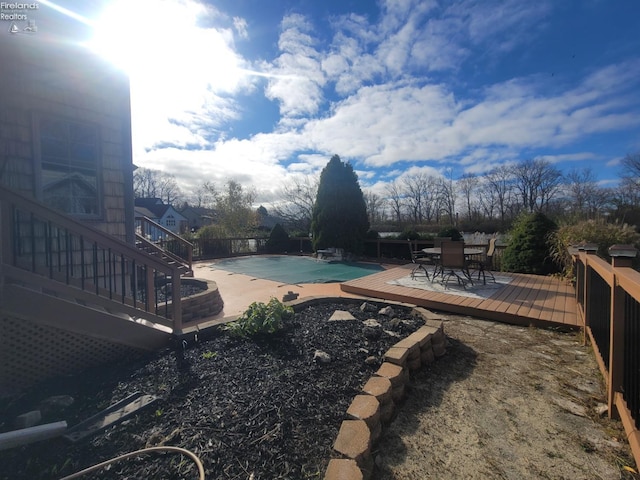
column 260, row 408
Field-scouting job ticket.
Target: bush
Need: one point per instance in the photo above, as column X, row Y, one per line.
column 212, row 232
column 590, row 231
column 528, row 250
column 278, row 241
column 408, row 234
column 451, row 232
column 372, row 235
column 260, row 318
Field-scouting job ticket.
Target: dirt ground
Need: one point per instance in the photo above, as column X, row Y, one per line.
column 505, row 402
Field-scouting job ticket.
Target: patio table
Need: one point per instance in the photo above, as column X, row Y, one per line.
column 436, row 252
column 468, row 251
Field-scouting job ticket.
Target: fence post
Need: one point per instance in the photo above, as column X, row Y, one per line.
column 589, row 249
column 621, row 256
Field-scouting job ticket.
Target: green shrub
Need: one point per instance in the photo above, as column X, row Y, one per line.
column 372, row 235
column 528, row 248
column 451, row 232
column 278, row 241
column 260, row 318
column 212, row 232
column 408, row 234
column 590, row 231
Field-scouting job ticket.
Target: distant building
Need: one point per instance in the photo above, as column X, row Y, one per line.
column 161, row 213
column 198, row 217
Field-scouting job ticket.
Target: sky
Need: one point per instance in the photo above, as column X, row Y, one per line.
column 264, row 91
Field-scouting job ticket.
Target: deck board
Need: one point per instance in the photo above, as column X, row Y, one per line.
column 526, row 300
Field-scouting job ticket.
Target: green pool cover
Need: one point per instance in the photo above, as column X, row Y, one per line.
column 296, row 269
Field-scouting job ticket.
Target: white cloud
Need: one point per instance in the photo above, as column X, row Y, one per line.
column 361, row 98
column 240, row 25
column 296, row 75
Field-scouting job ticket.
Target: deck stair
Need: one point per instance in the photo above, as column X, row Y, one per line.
column 58, row 271
column 170, row 247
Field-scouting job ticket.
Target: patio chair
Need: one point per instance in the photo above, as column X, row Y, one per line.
column 421, row 261
column 484, row 265
column 453, row 263
column 437, row 243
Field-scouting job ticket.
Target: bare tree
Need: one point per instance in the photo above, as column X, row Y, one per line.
column 422, row 197
column 498, row 191
column 468, row 185
column 537, row 183
column 601, row 201
column 375, row 207
column 447, row 195
column 205, row 195
column 299, row 196
column 627, row 194
column 631, row 168
column 149, row 183
column 395, row 198
column 581, row 190
column 414, row 188
column 487, row 199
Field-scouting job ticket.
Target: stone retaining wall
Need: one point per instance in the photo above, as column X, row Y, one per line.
column 200, row 305
column 371, row 410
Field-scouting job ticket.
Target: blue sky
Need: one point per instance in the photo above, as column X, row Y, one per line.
column 261, row 91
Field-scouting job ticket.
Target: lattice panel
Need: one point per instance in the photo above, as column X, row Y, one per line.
column 30, row 352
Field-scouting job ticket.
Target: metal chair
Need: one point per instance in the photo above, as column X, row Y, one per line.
column 421, row 262
column 484, row 265
column 454, row 264
column 437, row 243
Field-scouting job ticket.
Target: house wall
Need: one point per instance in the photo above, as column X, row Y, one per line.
column 40, row 77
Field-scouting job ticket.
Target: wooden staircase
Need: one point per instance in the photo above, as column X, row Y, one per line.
column 68, row 268
column 72, row 296
column 170, row 248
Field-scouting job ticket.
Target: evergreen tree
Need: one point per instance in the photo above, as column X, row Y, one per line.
column 339, row 213
column 278, row 241
column 528, row 250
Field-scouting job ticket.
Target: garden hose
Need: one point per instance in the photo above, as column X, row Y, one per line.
column 183, row 451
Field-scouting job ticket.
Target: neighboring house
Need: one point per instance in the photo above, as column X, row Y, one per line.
column 161, row 213
column 266, row 221
column 198, row 217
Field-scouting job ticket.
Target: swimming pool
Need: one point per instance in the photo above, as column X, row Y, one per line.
column 292, row 270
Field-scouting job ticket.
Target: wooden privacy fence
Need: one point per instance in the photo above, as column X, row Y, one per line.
column 608, row 302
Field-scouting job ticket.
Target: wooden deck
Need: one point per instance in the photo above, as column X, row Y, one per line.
column 526, row 300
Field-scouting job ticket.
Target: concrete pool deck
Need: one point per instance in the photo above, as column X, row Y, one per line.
column 238, row 291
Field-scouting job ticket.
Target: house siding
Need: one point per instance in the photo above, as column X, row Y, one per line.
column 43, row 78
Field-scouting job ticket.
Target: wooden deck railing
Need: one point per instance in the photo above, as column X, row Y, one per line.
column 168, row 242
column 54, row 253
column 608, row 301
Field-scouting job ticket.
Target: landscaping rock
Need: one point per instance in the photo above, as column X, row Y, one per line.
column 321, row 357
column 368, row 307
column 341, row 315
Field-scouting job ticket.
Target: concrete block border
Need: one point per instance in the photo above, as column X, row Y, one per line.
column 371, row 410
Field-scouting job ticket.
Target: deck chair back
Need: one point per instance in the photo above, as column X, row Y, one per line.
column 452, row 255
